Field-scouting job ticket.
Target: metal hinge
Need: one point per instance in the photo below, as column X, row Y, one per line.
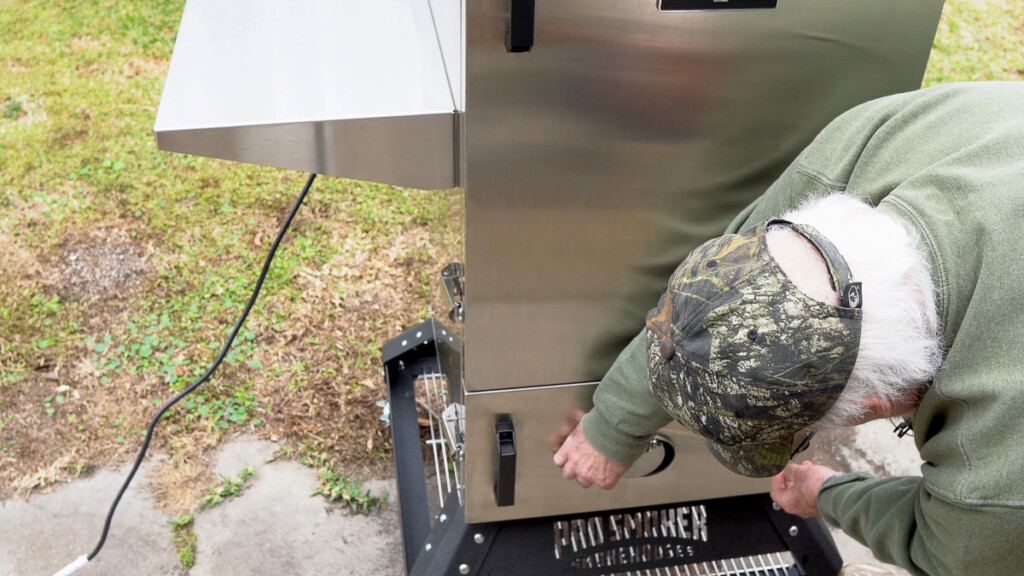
column 454, row 287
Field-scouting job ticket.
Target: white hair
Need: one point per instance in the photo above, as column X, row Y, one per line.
column 900, row 345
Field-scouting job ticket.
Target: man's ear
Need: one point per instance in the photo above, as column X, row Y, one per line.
column 874, row 408
column 878, row 407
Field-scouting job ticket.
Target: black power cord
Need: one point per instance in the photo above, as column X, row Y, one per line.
column 81, row 561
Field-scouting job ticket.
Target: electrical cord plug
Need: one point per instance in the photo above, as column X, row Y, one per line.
column 73, row 567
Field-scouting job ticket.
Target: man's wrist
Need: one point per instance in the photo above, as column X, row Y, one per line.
column 826, row 494
column 607, row 439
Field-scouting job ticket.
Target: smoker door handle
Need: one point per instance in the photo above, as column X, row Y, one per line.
column 505, row 487
column 519, row 34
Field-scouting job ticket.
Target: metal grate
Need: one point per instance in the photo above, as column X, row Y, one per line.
column 445, row 421
column 777, row 564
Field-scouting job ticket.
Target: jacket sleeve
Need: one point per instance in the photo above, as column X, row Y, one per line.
column 903, row 523
column 625, row 414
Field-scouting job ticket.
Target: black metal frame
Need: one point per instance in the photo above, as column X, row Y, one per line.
column 741, row 526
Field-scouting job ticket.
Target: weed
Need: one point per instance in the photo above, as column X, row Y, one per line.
column 230, row 487
column 12, row 109
column 223, row 412
column 146, row 350
column 184, row 539
column 49, row 401
column 10, row 449
column 44, row 305
column 335, row 486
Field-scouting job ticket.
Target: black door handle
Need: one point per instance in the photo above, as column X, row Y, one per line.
column 519, row 34
column 505, row 487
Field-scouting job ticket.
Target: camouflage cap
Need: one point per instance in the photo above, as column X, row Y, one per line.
column 738, row 354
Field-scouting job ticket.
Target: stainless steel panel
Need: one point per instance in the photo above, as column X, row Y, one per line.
column 540, row 489
column 414, row 151
column 596, row 161
column 356, row 88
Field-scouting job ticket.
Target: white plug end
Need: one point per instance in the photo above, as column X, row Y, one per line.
column 74, row 566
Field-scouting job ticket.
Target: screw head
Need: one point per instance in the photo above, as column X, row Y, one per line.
column 464, row 569
column 478, row 538
column 793, row 530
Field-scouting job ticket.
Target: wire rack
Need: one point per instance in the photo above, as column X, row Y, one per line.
column 446, row 441
column 777, row 564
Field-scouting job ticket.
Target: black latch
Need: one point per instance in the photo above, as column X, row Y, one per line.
column 505, row 487
column 519, row 34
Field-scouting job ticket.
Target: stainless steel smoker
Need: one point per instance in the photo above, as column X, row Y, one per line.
column 595, row 142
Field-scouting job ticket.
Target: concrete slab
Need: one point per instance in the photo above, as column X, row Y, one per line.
column 275, row 527
column 47, row 532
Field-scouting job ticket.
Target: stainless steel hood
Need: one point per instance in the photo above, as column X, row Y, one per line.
column 364, row 89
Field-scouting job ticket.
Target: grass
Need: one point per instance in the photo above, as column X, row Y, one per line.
column 978, row 40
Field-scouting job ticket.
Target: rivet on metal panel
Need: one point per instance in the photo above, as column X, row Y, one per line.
column 478, row 538
column 793, row 531
column 464, row 569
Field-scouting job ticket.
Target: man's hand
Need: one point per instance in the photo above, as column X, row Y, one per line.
column 579, row 460
column 796, row 488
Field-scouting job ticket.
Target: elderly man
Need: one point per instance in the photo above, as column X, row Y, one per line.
column 879, row 276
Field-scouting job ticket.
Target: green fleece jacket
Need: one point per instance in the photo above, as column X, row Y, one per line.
column 948, row 161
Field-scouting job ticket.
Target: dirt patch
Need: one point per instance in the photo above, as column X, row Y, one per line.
column 16, row 261
column 20, row 109
column 96, row 266
column 39, row 452
column 82, row 43
column 144, row 67
column 15, row 66
column 178, row 483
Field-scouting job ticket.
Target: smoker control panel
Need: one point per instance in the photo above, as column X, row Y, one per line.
column 700, row 5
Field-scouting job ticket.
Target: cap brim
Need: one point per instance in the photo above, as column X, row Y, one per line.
column 753, row 460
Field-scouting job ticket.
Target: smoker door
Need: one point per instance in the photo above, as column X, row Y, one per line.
column 594, row 162
column 597, row 160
